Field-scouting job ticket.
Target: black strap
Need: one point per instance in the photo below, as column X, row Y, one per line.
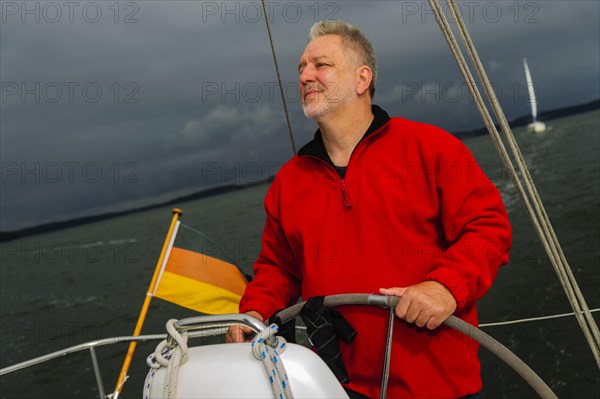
column 325, row 326
column 287, row 330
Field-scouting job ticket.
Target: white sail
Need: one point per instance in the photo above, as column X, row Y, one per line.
column 531, row 90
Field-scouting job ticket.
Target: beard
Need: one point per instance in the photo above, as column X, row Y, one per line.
column 329, row 99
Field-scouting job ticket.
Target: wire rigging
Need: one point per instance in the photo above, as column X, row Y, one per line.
column 285, row 109
column 536, row 212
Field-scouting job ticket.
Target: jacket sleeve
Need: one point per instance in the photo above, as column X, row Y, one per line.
column 475, row 225
column 277, row 279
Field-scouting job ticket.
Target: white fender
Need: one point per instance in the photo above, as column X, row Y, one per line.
column 231, row 371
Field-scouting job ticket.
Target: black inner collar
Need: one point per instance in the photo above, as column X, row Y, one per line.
column 316, row 147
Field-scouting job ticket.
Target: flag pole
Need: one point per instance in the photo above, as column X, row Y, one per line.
column 138, row 327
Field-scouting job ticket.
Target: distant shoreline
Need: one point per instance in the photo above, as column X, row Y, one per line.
column 542, row 116
column 60, row 225
column 64, row 224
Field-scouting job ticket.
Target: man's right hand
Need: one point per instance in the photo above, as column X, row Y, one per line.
column 239, row 333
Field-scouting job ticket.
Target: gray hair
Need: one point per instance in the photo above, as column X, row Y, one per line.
column 352, row 37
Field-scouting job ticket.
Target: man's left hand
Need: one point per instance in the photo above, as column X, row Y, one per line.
column 427, row 304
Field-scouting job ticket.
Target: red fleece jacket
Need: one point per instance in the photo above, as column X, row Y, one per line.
column 413, row 206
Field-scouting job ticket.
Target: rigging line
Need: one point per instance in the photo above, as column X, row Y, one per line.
column 548, row 228
column 556, row 255
column 555, row 316
column 447, row 32
column 516, row 321
column 449, row 36
column 464, row 69
column 285, row 109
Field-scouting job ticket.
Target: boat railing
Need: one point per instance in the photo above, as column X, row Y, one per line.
column 211, row 325
column 197, row 327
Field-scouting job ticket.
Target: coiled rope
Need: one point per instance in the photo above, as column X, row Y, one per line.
column 266, row 347
column 173, row 353
column 172, row 356
column 530, row 198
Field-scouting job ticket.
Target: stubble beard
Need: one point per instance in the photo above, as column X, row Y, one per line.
column 325, row 103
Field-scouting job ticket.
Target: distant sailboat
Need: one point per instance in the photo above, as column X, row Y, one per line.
column 535, row 126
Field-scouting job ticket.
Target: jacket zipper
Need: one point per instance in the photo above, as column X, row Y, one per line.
column 345, row 198
column 347, row 202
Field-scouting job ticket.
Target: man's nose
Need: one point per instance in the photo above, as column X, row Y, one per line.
column 307, row 75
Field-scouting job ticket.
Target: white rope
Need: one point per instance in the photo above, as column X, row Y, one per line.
column 171, row 356
column 266, row 347
column 555, row 316
column 536, row 211
column 517, row 321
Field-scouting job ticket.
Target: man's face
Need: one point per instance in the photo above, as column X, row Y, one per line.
column 327, row 80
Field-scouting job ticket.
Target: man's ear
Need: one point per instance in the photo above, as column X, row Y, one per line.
column 364, row 76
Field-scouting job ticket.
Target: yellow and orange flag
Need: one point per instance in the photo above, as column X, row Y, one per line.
column 192, row 272
column 196, row 275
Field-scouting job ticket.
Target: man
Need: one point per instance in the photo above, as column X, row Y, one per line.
column 375, row 202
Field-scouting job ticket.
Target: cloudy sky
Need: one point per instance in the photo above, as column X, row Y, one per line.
column 108, row 105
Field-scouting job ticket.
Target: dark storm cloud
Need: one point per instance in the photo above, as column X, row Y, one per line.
column 156, row 95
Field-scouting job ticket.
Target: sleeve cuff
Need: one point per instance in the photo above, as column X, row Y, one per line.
column 454, row 282
column 262, row 310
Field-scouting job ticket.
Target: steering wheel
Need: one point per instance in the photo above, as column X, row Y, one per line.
column 453, row 322
column 213, row 324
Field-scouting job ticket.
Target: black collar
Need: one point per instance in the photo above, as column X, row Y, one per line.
column 316, row 147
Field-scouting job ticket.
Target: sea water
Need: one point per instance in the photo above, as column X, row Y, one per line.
column 88, row 282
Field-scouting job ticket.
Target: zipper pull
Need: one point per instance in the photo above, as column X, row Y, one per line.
column 345, row 194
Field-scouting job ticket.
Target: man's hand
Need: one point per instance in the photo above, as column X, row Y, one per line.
column 239, row 333
column 427, row 304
